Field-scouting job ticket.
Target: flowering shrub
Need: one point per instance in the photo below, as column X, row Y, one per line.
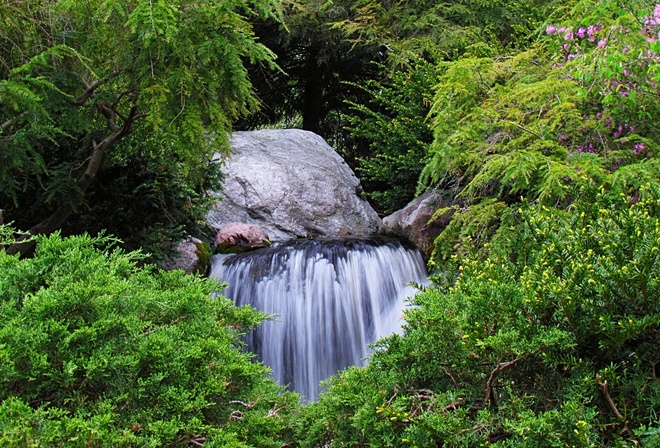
column 579, row 107
column 553, row 340
column 615, row 54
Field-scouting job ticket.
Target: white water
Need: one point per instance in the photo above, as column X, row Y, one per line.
column 332, row 298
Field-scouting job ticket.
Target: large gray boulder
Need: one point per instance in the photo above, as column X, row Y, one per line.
column 413, row 222
column 292, row 184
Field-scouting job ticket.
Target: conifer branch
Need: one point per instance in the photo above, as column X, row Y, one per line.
column 9, row 123
column 493, row 376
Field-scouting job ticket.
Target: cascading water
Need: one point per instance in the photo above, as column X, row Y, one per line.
column 332, row 298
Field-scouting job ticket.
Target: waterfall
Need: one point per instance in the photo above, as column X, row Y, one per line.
column 331, row 298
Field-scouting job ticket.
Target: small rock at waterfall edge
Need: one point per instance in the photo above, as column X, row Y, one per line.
column 236, row 237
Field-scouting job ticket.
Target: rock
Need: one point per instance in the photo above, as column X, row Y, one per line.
column 189, row 255
column 292, row 184
column 236, row 237
column 412, row 222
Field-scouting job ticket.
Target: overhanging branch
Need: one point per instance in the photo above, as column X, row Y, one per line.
column 90, row 89
column 59, row 217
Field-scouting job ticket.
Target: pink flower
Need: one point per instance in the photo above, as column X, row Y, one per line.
column 551, row 29
column 582, row 31
column 592, row 30
column 602, row 43
column 568, row 35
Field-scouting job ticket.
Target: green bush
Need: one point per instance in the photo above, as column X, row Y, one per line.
column 580, row 102
column 96, row 351
column 393, row 127
column 551, row 340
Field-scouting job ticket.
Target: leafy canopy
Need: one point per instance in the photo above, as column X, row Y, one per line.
column 77, row 78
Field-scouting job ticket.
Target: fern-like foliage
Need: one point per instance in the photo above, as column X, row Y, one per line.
column 78, row 78
column 574, row 108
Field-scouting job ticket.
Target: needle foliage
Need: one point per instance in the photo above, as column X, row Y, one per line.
column 98, row 352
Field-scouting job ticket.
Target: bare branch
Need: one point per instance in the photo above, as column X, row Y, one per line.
column 246, row 405
column 236, row 415
column 529, row 131
column 273, row 412
column 454, row 406
column 493, row 376
column 9, row 123
column 91, row 88
column 610, row 401
column 111, row 117
column 87, row 94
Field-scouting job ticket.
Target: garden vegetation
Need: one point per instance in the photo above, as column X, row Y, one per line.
column 536, row 122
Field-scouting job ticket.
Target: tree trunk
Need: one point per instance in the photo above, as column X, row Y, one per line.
column 313, row 95
column 59, row 217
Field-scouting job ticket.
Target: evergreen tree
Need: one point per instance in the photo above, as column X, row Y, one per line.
column 78, row 79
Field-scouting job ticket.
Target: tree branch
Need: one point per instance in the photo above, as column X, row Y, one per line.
column 9, row 123
column 610, row 401
column 59, row 217
column 91, row 88
column 529, row 131
column 490, row 397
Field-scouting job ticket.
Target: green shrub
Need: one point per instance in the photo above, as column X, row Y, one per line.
column 551, row 340
column 581, row 102
column 96, row 351
column 394, row 128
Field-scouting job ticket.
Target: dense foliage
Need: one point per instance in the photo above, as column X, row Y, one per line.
column 552, row 340
column 390, row 125
column 360, row 73
column 581, row 102
column 137, row 94
column 95, row 351
column 536, row 119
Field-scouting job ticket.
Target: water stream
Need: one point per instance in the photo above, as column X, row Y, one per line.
column 332, row 298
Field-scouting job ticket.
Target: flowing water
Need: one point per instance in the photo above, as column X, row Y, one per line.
column 331, row 299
